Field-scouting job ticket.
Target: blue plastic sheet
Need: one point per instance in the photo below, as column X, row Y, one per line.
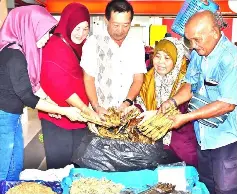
column 6, row 185
column 199, row 188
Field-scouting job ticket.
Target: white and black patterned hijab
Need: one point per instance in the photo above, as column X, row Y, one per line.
column 164, row 84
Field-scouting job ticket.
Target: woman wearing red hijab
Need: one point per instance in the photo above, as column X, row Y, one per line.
column 62, row 80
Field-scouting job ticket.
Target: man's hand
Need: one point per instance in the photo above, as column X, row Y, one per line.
column 123, row 106
column 179, row 120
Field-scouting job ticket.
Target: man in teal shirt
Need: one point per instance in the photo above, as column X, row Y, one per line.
column 212, row 74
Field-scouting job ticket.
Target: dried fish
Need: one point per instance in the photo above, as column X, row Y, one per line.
column 113, row 117
column 122, row 126
column 160, row 188
column 158, row 125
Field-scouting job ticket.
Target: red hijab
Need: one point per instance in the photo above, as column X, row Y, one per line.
column 72, row 15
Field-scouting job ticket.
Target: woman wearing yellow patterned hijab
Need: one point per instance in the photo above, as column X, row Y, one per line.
column 161, row 83
column 163, row 80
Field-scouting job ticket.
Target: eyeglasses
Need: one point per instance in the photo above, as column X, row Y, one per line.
column 187, row 42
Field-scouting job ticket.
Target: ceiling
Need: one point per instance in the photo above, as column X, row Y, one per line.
column 141, row 7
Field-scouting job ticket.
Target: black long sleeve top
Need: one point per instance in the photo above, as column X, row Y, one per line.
column 15, row 86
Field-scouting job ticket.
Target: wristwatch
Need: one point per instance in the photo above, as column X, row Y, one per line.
column 174, row 102
column 129, row 101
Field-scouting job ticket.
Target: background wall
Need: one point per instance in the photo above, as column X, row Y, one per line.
column 141, row 26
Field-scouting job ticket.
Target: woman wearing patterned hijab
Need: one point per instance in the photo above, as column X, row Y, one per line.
column 161, row 83
column 24, row 32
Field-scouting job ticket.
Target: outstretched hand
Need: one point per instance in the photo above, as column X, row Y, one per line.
column 101, row 111
column 165, row 106
column 178, row 120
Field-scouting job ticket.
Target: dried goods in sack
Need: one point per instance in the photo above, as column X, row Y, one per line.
column 113, row 117
column 127, row 132
column 120, row 148
column 123, row 126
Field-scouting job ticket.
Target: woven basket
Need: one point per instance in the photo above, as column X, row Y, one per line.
column 189, row 8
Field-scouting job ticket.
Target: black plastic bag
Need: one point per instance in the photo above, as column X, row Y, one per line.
column 116, row 155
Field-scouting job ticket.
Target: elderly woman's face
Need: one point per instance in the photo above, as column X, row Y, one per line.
column 163, row 64
column 80, row 32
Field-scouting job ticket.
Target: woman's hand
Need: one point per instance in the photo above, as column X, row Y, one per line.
column 49, row 100
column 91, row 113
column 73, row 113
column 101, row 111
column 165, row 106
column 42, row 95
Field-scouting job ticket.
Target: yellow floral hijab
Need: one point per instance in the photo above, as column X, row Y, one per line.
column 156, row 88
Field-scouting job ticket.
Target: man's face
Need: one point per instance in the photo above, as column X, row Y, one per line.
column 202, row 40
column 119, row 25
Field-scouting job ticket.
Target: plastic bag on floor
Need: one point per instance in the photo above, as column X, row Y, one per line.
column 48, row 175
column 116, row 155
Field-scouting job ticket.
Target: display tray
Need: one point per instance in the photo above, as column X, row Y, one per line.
column 6, row 185
column 139, row 182
column 133, row 181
